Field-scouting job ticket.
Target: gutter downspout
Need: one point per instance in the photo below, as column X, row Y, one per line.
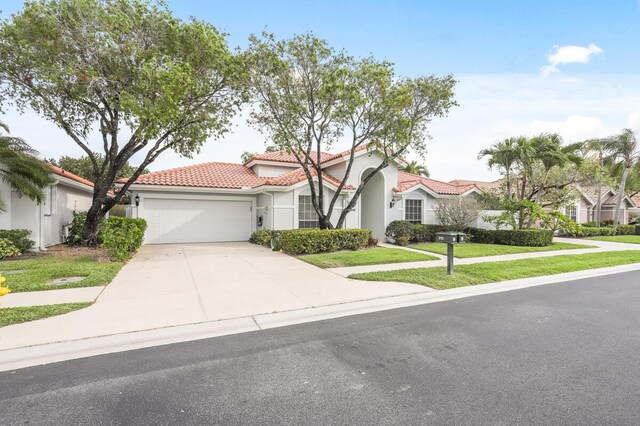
column 40, row 230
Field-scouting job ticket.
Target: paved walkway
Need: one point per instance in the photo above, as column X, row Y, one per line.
column 172, row 285
column 600, row 246
column 51, row 297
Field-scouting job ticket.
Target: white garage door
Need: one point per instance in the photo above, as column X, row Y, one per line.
column 196, row 221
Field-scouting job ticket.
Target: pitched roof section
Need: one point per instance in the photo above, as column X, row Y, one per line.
column 225, row 176
column 64, row 173
column 484, row 185
column 407, row 181
column 207, row 175
column 298, row 176
column 287, row 157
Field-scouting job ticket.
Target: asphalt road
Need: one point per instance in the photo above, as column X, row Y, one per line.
column 566, row 353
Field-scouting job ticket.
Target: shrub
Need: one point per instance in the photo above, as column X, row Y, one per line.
column 122, row 236
column 512, row 237
column 373, row 242
column 307, row 241
column 594, row 232
column 455, row 214
column 637, row 229
column 8, row 249
column 19, row 238
column 75, row 229
column 261, row 237
column 425, row 233
column 625, row 230
column 399, row 231
column 481, row 236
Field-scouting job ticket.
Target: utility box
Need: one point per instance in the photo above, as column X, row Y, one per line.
column 451, row 237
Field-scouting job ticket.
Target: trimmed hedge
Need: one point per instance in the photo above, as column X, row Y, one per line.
column 261, row 237
column 122, row 236
column 625, row 230
column 637, row 229
column 512, row 237
column 19, row 238
column 402, row 232
column 308, row 241
column 421, row 233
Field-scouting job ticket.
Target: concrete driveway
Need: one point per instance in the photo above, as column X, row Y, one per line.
column 178, row 284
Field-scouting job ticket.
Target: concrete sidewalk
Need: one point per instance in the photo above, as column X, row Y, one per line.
column 600, row 247
column 51, row 297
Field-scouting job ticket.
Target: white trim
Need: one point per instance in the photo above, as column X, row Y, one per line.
column 252, row 163
column 72, row 183
column 384, row 197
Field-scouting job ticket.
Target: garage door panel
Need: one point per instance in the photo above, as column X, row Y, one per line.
column 192, row 221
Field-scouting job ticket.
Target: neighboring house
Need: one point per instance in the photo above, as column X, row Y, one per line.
column 226, row 202
column 68, row 193
column 583, row 210
column 486, row 186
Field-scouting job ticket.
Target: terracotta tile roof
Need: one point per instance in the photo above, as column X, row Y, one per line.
column 298, row 176
column 223, row 175
column 484, row 185
column 407, row 181
column 64, row 173
column 636, row 200
column 207, row 175
column 609, row 196
column 287, row 157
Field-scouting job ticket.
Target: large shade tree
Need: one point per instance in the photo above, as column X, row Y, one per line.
column 83, row 166
column 308, row 97
column 144, row 81
column 21, row 169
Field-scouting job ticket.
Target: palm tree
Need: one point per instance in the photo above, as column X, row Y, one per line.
column 623, row 154
column 416, row 169
column 21, row 169
column 502, row 155
column 597, row 146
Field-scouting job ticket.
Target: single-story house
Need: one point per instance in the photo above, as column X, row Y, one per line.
column 215, row 202
column 68, row 193
column 584, row 209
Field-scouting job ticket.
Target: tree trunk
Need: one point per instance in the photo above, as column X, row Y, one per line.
column 508, row 175
column 598, row 217
column 623, row 184
column 95, row 216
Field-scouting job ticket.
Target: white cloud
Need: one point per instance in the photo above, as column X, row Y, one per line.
column 569, row 55
column 633, row 121
column 574, row 128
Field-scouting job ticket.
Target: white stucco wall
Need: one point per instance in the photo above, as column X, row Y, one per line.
column 5, row 196
column 69, row 199
column 268, row 170
column 25, row 215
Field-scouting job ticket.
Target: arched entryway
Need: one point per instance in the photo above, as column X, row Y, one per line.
column 373, row 204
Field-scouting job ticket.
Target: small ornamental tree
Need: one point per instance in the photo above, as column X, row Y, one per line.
column 307, row 96
column 146, row 81
column 457, row 213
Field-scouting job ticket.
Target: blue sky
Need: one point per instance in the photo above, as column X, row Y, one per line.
column 523, row 67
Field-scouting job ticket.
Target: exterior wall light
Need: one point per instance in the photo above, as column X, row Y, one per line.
column 137, row 200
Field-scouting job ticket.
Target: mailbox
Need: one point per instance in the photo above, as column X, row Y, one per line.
column 451, row 237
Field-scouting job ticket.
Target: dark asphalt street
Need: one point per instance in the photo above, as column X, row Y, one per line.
column 566, row 353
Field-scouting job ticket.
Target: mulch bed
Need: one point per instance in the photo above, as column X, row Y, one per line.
column 99, row 254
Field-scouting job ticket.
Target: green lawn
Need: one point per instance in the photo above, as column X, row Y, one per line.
column 372, row 256
column 480, row 250
column 631, row 239
column 40, row 270
column 10, row 316
column 487, row 272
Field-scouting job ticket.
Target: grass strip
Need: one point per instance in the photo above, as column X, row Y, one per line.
column 629, row 239
column 487, row 272
column 40, row 270
column 9, row 316
column 372, row 256
column 463, row 251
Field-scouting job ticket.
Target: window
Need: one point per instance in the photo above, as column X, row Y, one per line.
column 307, row 216
column 572, row 213
column 413, row 211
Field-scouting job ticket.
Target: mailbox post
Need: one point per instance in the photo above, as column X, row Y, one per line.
column 450, row 238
